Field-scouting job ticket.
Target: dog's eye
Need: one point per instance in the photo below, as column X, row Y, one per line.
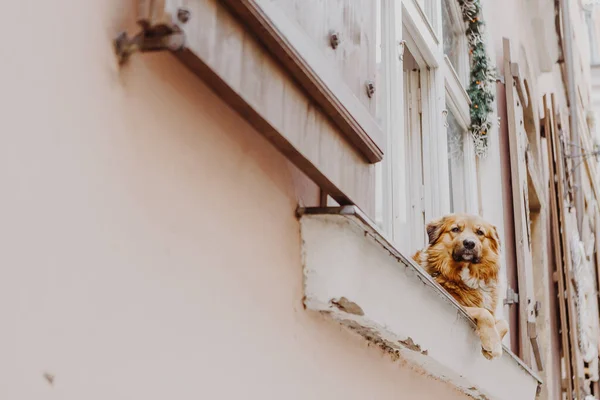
column 455, row 229
column 479, row 232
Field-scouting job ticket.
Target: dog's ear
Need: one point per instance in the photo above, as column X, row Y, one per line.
column 496, row 238
column 434, row 230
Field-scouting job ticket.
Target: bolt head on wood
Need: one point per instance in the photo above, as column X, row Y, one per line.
column 123, row 47
column 334, row 40
column 183, row 15
column 370, row 89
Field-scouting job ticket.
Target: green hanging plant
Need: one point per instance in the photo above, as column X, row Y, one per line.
column 482, row 79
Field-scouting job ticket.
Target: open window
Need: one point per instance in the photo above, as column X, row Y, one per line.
column 461, row 156
column 408, row 112
column 430, row 169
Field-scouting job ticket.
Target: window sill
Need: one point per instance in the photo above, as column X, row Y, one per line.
column 353, row 274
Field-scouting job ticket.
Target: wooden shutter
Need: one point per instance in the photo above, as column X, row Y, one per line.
column 275, row 62
column 329, row 47
column 518, row 147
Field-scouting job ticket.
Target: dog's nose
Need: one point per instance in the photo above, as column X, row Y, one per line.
column 469, row 244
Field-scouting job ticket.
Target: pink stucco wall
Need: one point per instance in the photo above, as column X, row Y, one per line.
column 149, row 245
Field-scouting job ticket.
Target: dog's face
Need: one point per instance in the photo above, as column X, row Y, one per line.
column 465, row 238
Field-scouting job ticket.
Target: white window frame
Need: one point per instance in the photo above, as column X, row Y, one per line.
column 428, row 9
column 458, row 102
column 417, row 35
column 463, row 48
column 442, row 89
column 470, row 171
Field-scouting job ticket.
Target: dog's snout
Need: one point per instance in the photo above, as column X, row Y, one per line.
column 469, row 244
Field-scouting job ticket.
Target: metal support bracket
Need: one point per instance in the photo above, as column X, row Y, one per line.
column 159, row 30
column 151, row 38
column 511, row 297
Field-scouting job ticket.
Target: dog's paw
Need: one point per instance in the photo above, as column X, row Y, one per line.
column 490, row 355
column 491, row 345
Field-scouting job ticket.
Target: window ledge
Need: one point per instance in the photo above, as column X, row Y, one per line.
column 353, row 274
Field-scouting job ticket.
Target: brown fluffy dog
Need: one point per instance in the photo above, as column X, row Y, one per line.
column 463, row 257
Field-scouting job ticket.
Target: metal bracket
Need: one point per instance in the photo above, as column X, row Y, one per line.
column 512, row 297
column 445, row 118
column 537, row 307
column 401, row 48
column 334, row 39
column 370, row 86
column 151, row 38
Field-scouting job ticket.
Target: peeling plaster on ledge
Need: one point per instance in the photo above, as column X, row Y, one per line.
column 394, row 304
column 399, row 348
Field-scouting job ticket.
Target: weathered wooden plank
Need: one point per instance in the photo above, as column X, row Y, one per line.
column 321, row 79
column 576, row 363
column 520, row 207
column 537, row 200
column 529, row 112
column 236, row 66
column 550, row 129
column 508, row 217
column 354, row 23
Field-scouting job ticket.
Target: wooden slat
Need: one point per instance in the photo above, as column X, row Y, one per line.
column 237, row 67
column 576, row 364
column 550, row 129
column 508, row 217
column 537, row 199
column 295, row 50
column 529, row 112
column 349, row 19
column 535, row 346
column 520, row 208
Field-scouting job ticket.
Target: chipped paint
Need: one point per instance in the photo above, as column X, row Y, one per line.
column 409, row 344
column 49, row 378
column 347, row 306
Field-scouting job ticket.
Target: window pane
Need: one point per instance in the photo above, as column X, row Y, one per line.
column 456, row 164
column 451, row 34
column 427, row 7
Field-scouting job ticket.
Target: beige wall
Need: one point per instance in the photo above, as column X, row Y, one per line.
column 149, row 245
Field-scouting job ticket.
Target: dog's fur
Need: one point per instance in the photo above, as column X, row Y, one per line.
column 463, row 257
